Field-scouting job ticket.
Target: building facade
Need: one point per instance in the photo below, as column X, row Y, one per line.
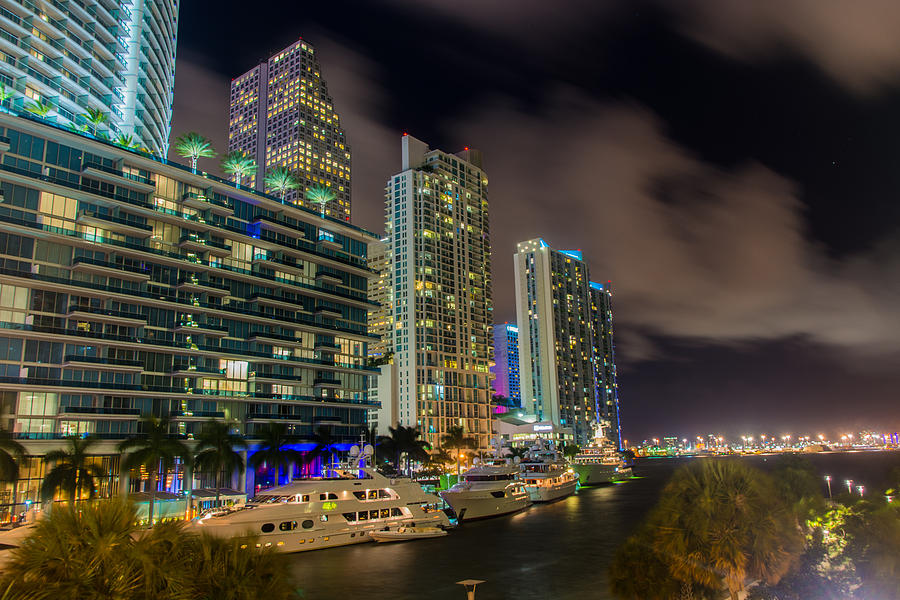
column 115, row 56
column 439, row 236
column 283, row 116
column 567, row 370
column 506, row 362
column 130, row 286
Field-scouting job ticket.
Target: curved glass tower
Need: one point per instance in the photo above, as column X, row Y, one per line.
column 63, row 59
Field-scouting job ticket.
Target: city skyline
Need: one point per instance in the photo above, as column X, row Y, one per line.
column 768, row 299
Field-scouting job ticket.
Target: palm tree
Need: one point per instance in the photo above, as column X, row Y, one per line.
column 238, row 164
column 192, row 145
column 282, row 179
column 5, row 94
column 97, row 551
column 11, row 452
column 413, row 447
column 273, row 450
column 40, row 108
column 217, row 451
column 440, row 457
column 722, row 521
column 321, row 195
column 570, row 450
column 95, row 117
column 155, row 450
column 457, row 439
column 73, row 474
column 324, row 448
column 126, row 140
column 77, row 128
column 517, row 452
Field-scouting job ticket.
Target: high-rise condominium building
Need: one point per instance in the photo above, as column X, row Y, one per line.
column 567, row 370
column 381, row 294
column 506, row 362
column 112, row 56
column 437, row 226
column 132, row 287
column 283, row 116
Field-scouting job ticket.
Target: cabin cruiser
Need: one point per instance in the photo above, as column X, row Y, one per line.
column 487, row 490
column 601, row 462
column 311, row 514
column 546, row 477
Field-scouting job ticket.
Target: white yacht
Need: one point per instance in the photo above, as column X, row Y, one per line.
column 311, row 514
column 487, row 490
column 601, row 462
column 547, row 478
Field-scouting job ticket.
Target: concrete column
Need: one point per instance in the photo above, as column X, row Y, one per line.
column 242, row 486
column 124, row 484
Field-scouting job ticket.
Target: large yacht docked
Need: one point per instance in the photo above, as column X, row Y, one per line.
column 601, row 462
column 488, row 490
column 311, row 514
column 546, row 477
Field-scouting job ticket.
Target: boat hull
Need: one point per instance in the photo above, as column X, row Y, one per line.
column 598, row 474
column 405, row 536
column 553, row 492
column 320, row 538
column 470, row 505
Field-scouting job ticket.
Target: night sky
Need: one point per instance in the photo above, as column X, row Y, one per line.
column 733, row 167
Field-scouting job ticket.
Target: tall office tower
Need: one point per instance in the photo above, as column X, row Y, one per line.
column 283, row 116
column 565, row 341
column 115, row 56
column 130, row 286
column 506, row 362
column 437, row 224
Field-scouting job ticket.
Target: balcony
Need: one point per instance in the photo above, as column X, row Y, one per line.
column 4, row 144
column 192, row 328
column 200, row 286
column 101, row 410
column 194, row 243
column 183, row 415
column 277, row 225
column 273, row 300
column 326, row 347
column 86, row 313
column 274, row 417
column 273, row 378
column 203, row 202
column 275, row 337
column 111, row 223
column 107, row 364
column 105, row 268
column 328, row 311
column 326, row 276
column 186, row 370
column 117, row 177
column 326, row 382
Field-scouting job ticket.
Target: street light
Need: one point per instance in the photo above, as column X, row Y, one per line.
column 860, row 489
column 828, row 481
column 470, row 587
column 849, row 483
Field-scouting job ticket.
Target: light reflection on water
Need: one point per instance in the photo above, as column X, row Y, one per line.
column 559, row 551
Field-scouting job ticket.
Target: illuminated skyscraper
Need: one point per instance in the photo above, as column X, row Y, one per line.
column 380, row 292
column 437, row 226
column 506, row 361
column 283, row 116
column 116, row 57
column 567, row 370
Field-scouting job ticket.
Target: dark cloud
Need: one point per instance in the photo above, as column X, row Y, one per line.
column 856, row 43
column 694, row 252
